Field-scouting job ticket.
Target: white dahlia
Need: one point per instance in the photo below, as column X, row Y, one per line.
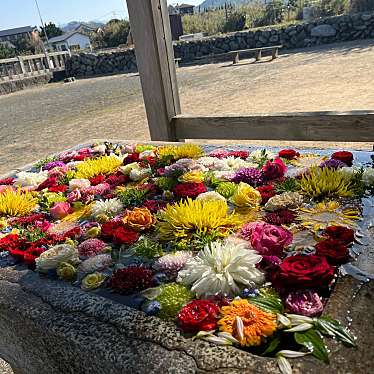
column 110, row 207
column 210, row 195
column 220, row 268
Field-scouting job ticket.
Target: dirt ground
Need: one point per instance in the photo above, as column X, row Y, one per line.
column 36, row 122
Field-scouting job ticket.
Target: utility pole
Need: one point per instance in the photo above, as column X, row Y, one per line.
column 46, row 35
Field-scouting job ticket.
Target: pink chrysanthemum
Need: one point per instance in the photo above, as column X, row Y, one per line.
column 91, row 247
column 171, row 263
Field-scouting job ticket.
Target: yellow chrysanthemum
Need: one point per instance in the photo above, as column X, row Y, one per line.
column 16, row 203
column 181, row 151
column 192, row 177
column 326, row 214
column 181, row 220
column 326, row 182
column 246, row 196
column 247, row 323
column 103, row 165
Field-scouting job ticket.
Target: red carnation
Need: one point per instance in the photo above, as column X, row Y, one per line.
column 49, row 182
column 108, row 228
column 341, row 233
column 122, row 235
column 31, row 255
column 335, row 251
column 190, row 189
column 274, row 170
column 6, row 181
column 132, row 279
column 97, row 180
column 117, row 179
column 198, row 315
column 239, row 154
column 300, row 271
column 266, row 192
column 132, row 157
column 280, row 217
column 58, row 188
column 9, row 242
column 288, row 154
column 344, row 156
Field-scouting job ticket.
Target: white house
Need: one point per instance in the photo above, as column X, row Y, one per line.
column 70, row 41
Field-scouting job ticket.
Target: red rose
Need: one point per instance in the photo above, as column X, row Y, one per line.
column 335, row 251
column 189, row 189
column 341, row 233
column 123, row 235
column 266, row 192
column 198, row 315
column 108, row 228
column 305, row 272
column 288, row 154
column 344, row 156
column 274, row 170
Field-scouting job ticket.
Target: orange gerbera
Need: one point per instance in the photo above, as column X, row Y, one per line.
column 247, row 323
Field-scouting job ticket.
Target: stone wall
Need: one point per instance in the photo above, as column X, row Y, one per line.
column 14, row 85
column 322, row 31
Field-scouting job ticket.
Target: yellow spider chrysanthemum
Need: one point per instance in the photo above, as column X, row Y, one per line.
column 308, row 160
column 326, row 214
column 182, row 151
column 326, row 182
column 105, row 165
column 182, row 220
column 16, row 203
column 247, row 323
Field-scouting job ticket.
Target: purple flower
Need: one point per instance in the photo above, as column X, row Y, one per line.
column 52, row 165
column 333, row 164
column 252, row 176
column 306, row 303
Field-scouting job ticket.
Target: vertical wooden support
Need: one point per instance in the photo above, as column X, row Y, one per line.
column 274, row 53
column 22, row 65
column 150, row 27
column 258, row 54
column 236, row 58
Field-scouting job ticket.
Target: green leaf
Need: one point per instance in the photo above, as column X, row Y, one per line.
column 272, row 346
column 269, row 303
column 311, row 339
column 331, row 327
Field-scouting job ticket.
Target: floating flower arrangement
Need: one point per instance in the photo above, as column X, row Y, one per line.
column 236, row 247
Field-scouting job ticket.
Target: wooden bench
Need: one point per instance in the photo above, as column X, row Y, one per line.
column 236, row 54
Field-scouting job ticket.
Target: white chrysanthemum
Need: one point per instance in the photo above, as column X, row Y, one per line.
column 211, row 163
column 140, row 174
column 236, row 163
column 100, row 148
column 368, row 177
column 224, row 175
column 290, row 200
column 51, row 258
column 79, row 184
column 210, row 196
column 110, row 207
column 26, row 179
column 260, row 155
column 220, row 268
column 350, row 171
column 145, row 154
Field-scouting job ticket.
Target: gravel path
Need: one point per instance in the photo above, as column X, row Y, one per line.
column 42, row 120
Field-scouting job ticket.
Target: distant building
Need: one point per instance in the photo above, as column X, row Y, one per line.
column 85, row 29
column 183, row 9
column 74, row 40
column 13, row 35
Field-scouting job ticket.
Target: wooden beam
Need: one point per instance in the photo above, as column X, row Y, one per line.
column 355, row 126
column 150, row 27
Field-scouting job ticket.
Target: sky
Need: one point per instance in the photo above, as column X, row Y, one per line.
column 17, row 13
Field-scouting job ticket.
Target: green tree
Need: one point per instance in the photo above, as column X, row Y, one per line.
column 114, row 33
column 51, row 29
column 6, row 52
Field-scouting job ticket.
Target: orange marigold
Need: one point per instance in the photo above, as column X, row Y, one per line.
column 247, row 323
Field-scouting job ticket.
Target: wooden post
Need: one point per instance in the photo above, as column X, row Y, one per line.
column 21, row 64
column 236, row 58
column 150, row 27
column 274, row 53
column 258, row 54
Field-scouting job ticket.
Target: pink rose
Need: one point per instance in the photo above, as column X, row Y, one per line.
column 60, row 210
column 266, row 239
